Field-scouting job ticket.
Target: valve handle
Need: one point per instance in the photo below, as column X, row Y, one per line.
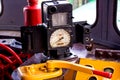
column 52, row 64
column 53, row 68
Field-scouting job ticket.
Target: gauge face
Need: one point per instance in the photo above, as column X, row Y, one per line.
column 59, row 38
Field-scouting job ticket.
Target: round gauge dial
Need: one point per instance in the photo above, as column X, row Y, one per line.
column 59, row 38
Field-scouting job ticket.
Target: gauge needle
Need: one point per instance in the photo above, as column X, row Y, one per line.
column 59, row 40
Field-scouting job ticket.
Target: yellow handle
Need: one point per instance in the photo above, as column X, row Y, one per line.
column 52, row 64
column 53, row 68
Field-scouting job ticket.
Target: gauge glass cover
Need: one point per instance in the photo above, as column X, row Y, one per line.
column 59, row 38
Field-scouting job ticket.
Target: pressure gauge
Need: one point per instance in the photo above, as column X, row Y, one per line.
column 57, row 15
column 60, row 38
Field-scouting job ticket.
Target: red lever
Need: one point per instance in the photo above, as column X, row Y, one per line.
column 104, row 74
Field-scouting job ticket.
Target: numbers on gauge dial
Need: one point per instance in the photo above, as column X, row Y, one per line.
column 59, row 38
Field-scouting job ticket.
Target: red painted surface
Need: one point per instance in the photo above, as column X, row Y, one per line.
column 104, row 74
column 32, row 13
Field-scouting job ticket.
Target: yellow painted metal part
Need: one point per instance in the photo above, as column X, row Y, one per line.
column 37, row 72
column 51, row 64
column 99, row 65
column 52, row 69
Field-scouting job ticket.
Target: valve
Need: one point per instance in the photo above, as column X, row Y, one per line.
column 53, row 68
column 8, row 63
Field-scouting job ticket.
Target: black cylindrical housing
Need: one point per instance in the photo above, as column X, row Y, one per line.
column 34, row 39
